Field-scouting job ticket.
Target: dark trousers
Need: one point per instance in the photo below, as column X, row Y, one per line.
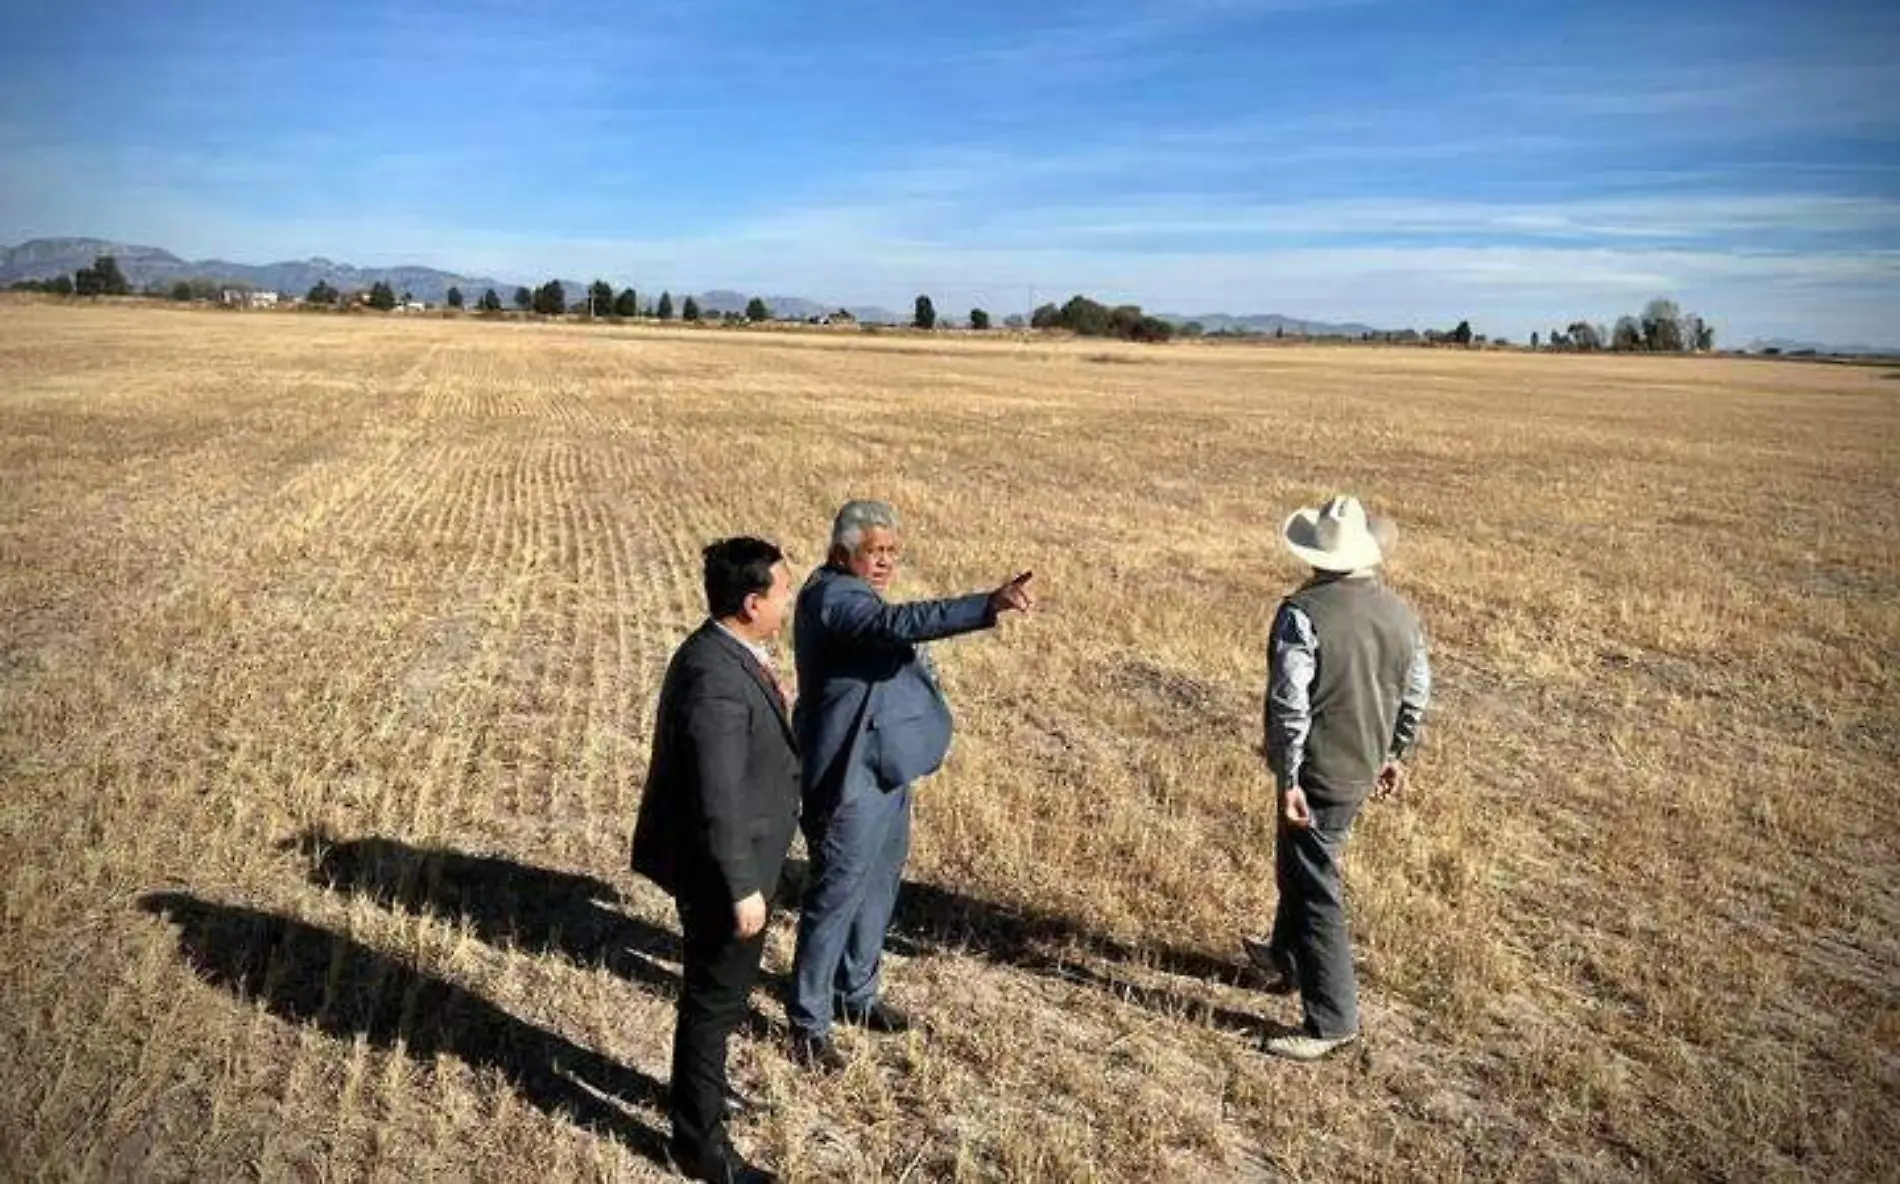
column 1310, row 932
column 857, row 853
column 717, row 979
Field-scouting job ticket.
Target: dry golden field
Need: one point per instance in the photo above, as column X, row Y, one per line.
column 330, row 650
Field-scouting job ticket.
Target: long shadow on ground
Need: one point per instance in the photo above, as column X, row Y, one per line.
column 934, row 919
column 575, row 916
column 505, row 902
column 309, row 975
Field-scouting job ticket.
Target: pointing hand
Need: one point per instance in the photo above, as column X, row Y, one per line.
column 1014, row 596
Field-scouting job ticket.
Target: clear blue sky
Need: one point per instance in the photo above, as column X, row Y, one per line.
column 1399, row 163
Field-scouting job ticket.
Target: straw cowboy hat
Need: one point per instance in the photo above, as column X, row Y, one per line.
column 1334, row 537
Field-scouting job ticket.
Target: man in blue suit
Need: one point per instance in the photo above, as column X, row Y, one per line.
column 871, row 720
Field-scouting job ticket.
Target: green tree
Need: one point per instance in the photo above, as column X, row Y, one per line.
column 1627, row 337
column 1533, row 339
column 322, row 293
column 1461, row 335
column 979, row 319
column 1662, row 324
column 1047, row 316
column 600, row 298
column 755, row 310
column 86, row 282
column 689, row 311
column 1085, row 317
column 524, row 299
column 60, row 285
column 111, row 280
column 926, row 314
column 550, row 299
column 1155, row 329
column 627, row 304
column 490, row 302
column 181, row 291
column 666, row 306
column 454, row 297
column 1129, row 323
column 382, row 296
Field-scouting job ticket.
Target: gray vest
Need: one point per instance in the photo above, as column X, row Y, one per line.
column 1367, row 637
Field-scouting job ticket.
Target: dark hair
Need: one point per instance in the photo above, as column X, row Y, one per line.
column 735, row 569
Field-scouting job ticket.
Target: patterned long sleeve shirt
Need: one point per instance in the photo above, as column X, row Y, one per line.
column 1292, row 663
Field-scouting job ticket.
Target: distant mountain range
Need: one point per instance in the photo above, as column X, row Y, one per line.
column 1267, row 324
column 1788, row 345
column 795, row 308
column 44, row 258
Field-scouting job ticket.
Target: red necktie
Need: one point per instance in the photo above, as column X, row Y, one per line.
column 778, row 684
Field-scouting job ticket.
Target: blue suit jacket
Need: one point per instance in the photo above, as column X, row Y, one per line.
column 868, row 700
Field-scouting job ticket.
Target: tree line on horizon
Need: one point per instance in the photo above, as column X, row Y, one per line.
column 1661, row 327
column 1089, row 318
column 103, row 278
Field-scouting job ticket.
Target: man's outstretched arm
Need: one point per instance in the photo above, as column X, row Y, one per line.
column 852, row 610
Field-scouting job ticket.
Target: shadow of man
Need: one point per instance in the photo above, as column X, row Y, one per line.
column 309, row 975
column 536, row 909
column 506, row 902
column 932, row 919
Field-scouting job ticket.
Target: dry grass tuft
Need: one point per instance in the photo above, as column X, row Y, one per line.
column 331, row 649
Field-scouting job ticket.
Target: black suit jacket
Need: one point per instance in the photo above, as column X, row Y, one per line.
column 721, row 799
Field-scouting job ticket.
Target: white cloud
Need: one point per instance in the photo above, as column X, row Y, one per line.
column 1706, row 217
column 1845, row 85
column 950, row 225
column 1129, row 37
column 1504, row 289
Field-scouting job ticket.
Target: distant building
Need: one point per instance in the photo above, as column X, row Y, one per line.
column 240, row 298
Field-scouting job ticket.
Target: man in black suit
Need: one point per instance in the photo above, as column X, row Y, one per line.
column 717, row 817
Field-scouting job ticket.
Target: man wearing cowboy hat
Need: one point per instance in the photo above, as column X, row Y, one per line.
column 1348, row 685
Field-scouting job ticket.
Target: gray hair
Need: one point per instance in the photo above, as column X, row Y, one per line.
column 856, row 517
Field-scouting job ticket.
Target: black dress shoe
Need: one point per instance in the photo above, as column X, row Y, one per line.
column 878, row 1017
column 717, row 1165
column 1275, row 965
column 818, row 1053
